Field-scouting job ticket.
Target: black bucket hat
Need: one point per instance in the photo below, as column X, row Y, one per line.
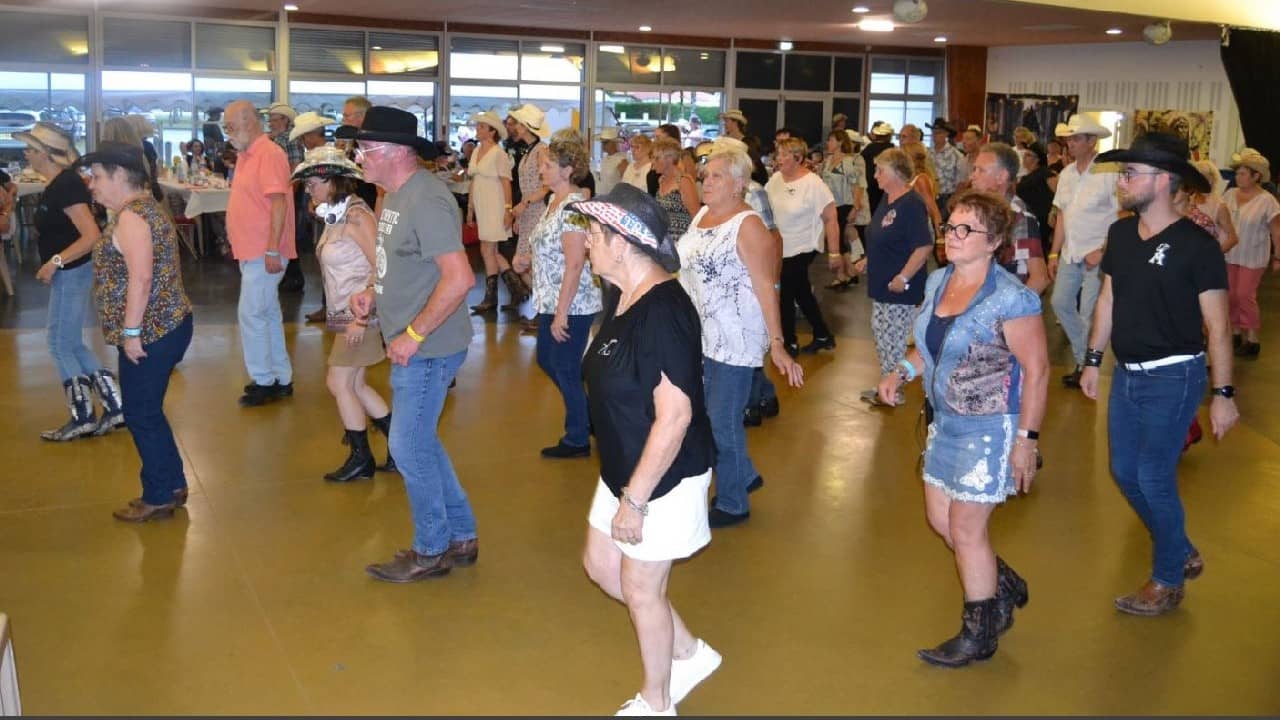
column 1162, row 150
column 396, row 126
column 120, row 154
column 638, row 218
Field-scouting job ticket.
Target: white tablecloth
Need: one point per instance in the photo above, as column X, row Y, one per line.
column 30, row 188
column 200, row 200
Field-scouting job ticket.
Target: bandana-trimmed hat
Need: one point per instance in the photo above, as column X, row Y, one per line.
column 327, row 161
column 638, row 218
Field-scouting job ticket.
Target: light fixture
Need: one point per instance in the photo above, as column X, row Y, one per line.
column 860, row 9
column 940, row 39
column 869, row 25
column 290, row 7
column 547, row 48
column 1157, row 33
column 910, row 11
column 615, row 49
column 376, row 47
column 704, row 56
column 1114, row 31
column 785, row 45
column 645, row 28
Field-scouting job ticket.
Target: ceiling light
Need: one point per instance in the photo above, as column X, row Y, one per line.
column 552, row 48
column 940, row 38
column 785, row 45
column 645, row 28
column 615, row 49
column 290, row 7
column 870, row 25
column 704, row 56
column 862, row 9
column 376, row 47
column 1114, row 31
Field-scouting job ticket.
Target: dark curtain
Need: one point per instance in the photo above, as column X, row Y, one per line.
column 1038, row 113
column 1250, row 59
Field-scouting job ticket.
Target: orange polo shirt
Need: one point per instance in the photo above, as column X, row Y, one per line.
column 262, row 170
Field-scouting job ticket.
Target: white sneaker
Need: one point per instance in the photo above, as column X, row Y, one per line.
column 687, row 673
column 637, row 706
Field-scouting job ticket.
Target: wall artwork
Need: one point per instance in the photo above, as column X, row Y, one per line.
column 1194, row 127
column 1038, row 113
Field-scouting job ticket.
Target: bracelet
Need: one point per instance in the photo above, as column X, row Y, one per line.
column 1092, row 358
column 906, row 370
column 1029, row 434
column 131, row 332
column 408, row 330
column 642, row 509
column 273, row 253
column 1053, row 256
column 834, row 255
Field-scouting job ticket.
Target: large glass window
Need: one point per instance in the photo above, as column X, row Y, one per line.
column 235, row 47
column 905, row 90
column 326, row 51
column 633, row 112
column 418, row 98
column 495, row 75
column 400, row 53
column 808, row 72
column 28, row 97
column 141, row 43
column 759, row 70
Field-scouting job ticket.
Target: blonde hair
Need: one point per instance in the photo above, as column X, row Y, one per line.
column 920, row 161
column 665, row 147
column 895, row 160
column 1023, row 135
column 793, row 145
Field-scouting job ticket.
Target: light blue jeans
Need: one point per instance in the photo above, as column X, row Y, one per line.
column 262, row 325
column 68, row 303
column 1073, row 279
column 439, row 506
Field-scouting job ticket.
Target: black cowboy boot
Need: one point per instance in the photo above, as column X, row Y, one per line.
column 516, row 288
column 490, row 301
column 104, row 383
column 79, row 392
column 1011, row 590
column 359, row 464
column 384, row 426
column 975, row 641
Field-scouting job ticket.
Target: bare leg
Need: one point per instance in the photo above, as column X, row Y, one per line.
column 975, row 559
column 494, row 262
column 373, row 404
column 937, row 508
column 644, row 588
column 340, row 382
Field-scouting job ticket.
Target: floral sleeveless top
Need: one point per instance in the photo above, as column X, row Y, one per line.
column 167, row 305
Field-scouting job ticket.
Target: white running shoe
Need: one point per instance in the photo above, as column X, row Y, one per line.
column 688, row 673
column 637, row 707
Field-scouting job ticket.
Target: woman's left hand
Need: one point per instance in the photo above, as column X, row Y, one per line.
column 835, row 262
column 790, row 369
column 1023, row 460
column 354, row 334
column 897, row 284
column 45, row 273
column 628, row 525
column 133, row 349
column 560, row 327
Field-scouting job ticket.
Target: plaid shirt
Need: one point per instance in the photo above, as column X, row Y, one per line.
column 1026, row 240
column 294, row 150
column 947, row 162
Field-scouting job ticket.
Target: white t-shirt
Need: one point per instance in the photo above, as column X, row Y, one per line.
column 1252, row 221
column 1088, row 203
column 797, row 211
column 609, row 173
column 637, row 175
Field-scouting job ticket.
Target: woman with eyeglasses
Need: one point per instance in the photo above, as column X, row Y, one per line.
column 980, row 352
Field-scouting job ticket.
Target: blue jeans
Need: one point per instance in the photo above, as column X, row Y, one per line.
column 262, row 325
column 562, row 362
column 439, row 506
column 762, row 388
column 1147, row 422
column 1074, row 279
column 68, row 303
column 728, row 389
column 143, row 387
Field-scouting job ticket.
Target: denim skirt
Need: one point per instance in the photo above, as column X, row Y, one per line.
column 967, row 457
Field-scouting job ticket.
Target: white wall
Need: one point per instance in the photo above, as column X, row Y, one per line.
column 1123, row 77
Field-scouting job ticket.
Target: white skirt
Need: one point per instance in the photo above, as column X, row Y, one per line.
column 675, row 528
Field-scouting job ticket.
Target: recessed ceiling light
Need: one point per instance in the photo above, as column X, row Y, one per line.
column 869, row 25
column 1114, row 31
column 645, row 28
column 552, row 48
column 290, row 7
column 940, row 38
column 861, row 9
column 615, row 49
column 376, row 47
column 785, row 45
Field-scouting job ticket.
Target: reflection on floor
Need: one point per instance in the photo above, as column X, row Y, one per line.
column 254, row 601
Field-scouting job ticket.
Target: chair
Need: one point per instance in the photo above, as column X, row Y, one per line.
column 188, row 230
column 10, row 701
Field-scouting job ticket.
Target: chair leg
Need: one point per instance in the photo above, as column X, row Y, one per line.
column 4, row 267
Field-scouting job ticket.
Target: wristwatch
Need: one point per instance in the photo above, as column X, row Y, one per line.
column 1226, row 391
column 57, row 261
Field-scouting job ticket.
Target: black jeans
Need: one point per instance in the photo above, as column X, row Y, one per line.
column 796, row 290
column 143, row 387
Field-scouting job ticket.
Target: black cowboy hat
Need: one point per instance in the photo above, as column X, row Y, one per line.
column 109, row 152
column 638, row 218
column 944, row 125
column 396, row 126
column 1164, row 151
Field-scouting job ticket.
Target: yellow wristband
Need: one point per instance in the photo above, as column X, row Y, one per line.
column 1053, row 256
column 408, row 330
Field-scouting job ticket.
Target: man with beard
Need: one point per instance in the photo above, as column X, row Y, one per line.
column 1164, row 279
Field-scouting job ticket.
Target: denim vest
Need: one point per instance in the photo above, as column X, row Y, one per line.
column 976, row 373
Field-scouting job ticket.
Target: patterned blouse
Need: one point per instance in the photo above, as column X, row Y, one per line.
column 547, row 241
column 529, row 177
column 716, row 279
column 167, row 305
column 678, row 217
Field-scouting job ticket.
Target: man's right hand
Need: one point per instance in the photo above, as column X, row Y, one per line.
column 1089, row 382
column 273, row 264
column 361, row 303
column 1053, row 268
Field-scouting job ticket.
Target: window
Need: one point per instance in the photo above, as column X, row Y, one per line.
column 633, row 112
column 402, row 53
column 485, row 59
column 808, row 72
column 905, row 90
column 326, row 51
column 703, row 68
column 215, row 93
column 759, row 70
column 136, row 42
column 637, row 65
column 418, row 98
column 28, row 97
column 40, row 38
column 235, row 47
column 499, row 74
column 848, row 76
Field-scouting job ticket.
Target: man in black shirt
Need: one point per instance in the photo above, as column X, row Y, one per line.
column 1164, row 278
column 881, row 140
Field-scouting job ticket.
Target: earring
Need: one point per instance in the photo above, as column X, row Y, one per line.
column 618, row 259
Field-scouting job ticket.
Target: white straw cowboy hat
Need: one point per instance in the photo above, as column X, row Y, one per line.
column 327, row 161
column 884, row 129
column 51, row 139
column 532, row 117
column 1082, row 125
column 1247, row 157
column 492, row 120
column 607, row 134
column 735, row 115
column 281, row 108
column 309, row 121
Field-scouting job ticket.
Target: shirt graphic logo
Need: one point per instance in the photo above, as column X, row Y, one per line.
column 889, row 217
column 607, row 348
column 1158, row 257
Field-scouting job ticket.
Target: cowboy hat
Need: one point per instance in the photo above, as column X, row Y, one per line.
column 49, row 138
column 856, row 137
column 882, row 129
column 607, row 134
column 395, row 126
column 724, row 143
column 638, row 218
column 1160, row 150
column 1247, row 157
column 532, row 117
column 327, row 161
column 736, row 115
column 308, row 122
column 281, row 108
column 1082, row 125
column 943, row 125
column 492, row 120
column 109, row 152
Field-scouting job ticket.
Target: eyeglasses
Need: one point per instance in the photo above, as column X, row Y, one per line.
column 1128, row 174
column 961, row 231
column 363, row 150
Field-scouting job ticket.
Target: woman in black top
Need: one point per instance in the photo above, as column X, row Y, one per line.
column 1034, row 190
column 66, row 233
column 643, row 372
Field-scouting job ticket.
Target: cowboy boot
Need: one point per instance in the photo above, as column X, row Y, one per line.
column 516, row 288
column 80, row 403
column 1011, row 590
column 975, row 641
column 384, row 426
column 490, row 300
column 359, row 464
column 104, row 383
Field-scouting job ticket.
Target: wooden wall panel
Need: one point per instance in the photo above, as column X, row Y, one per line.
column 966, row 84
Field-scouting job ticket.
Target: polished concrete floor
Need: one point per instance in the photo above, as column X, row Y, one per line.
column 254, row 601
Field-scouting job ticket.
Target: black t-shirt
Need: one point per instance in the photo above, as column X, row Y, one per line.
column 869, row 155
column 1035, row 192
column 659, row 334
column 55, row 230
column 516, row 150
column 1156, row 286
